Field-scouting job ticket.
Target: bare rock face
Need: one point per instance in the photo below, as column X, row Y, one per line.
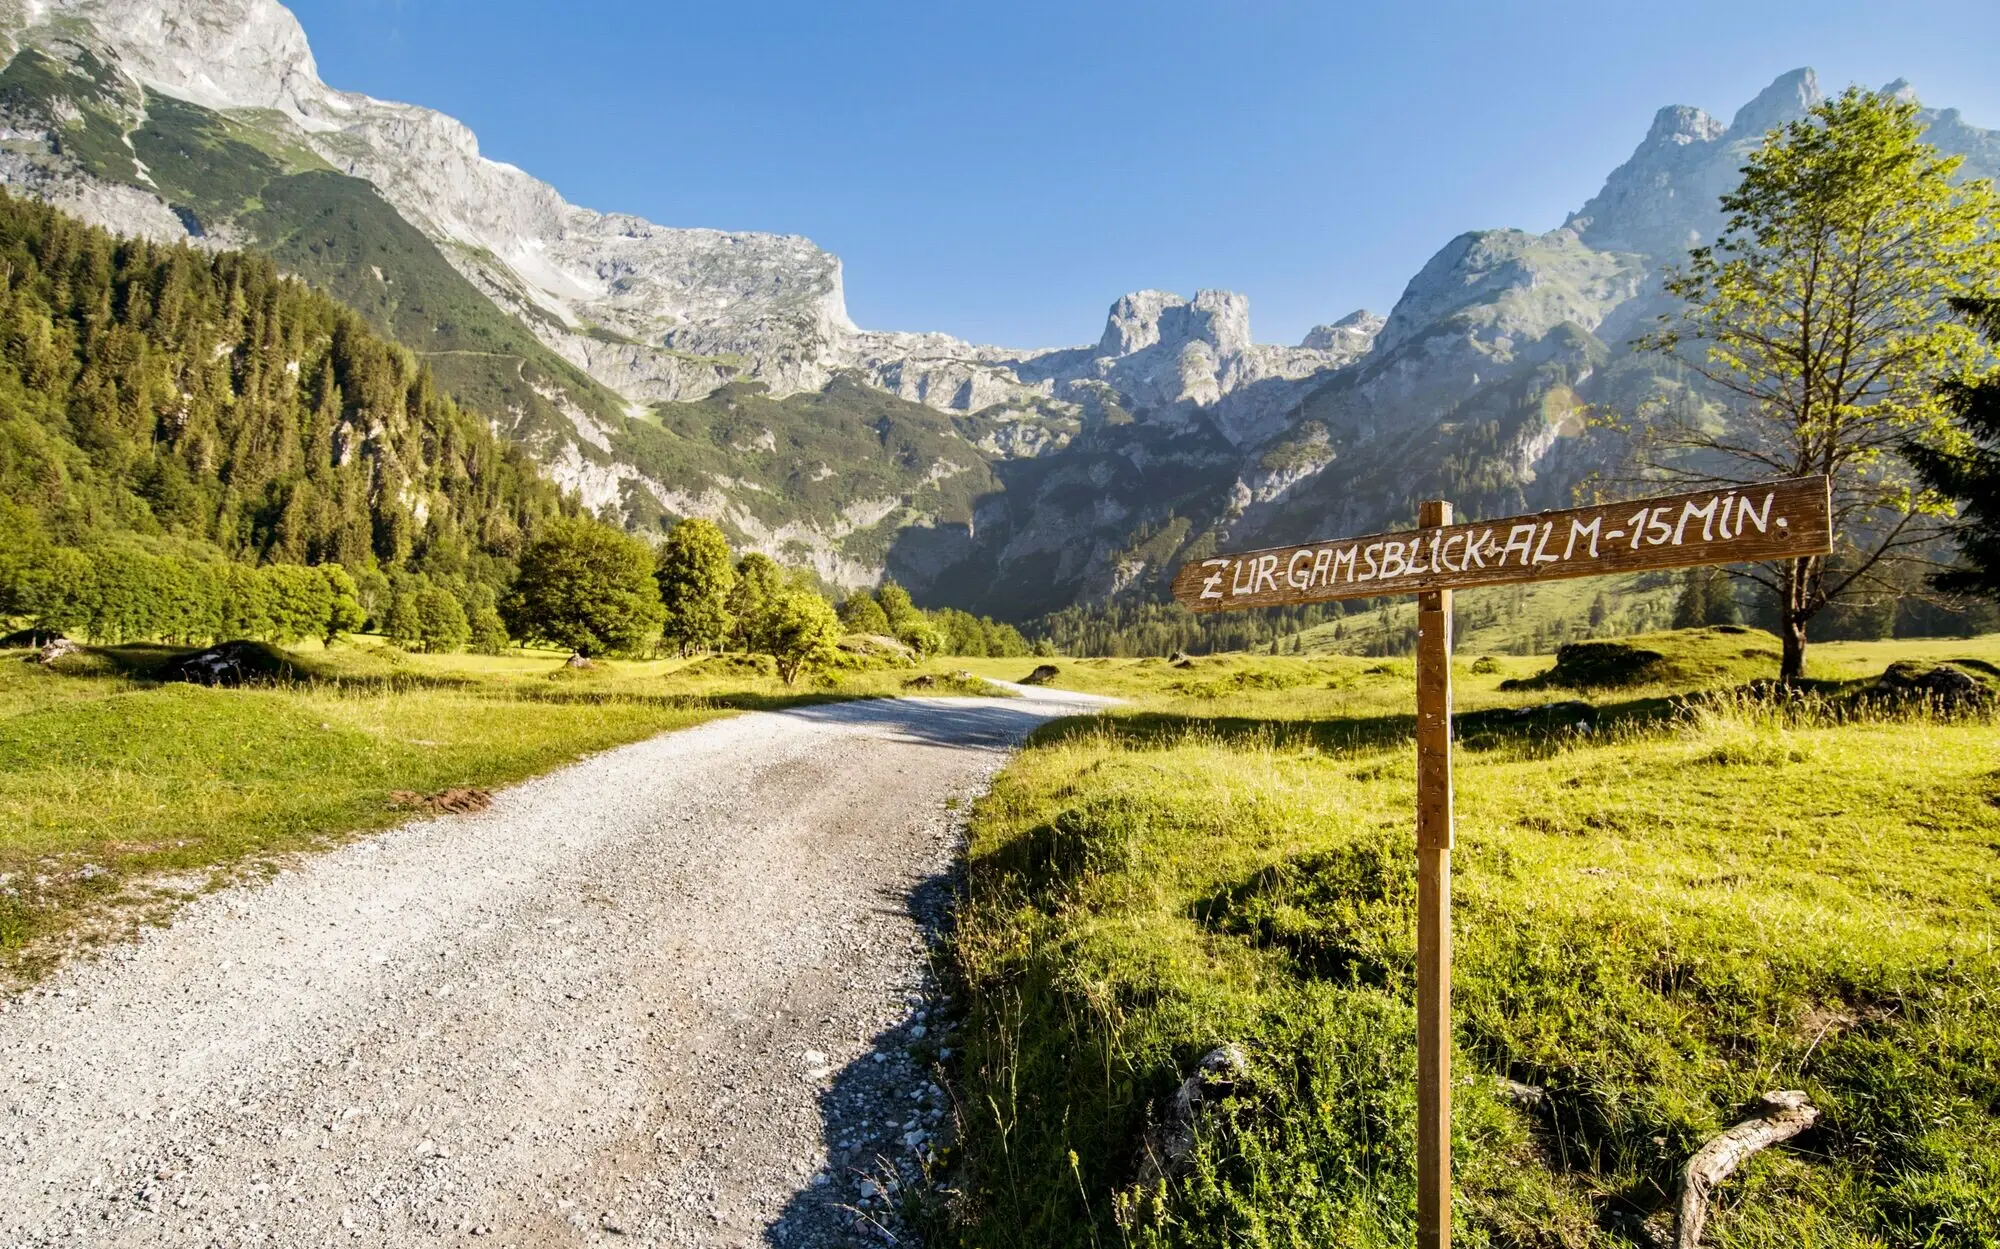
column 1665, row 198
column 1352, row 335
column 773, row 304
column 1163, row 358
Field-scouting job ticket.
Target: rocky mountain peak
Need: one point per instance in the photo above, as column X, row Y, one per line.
column 1665, row 198
column 1789, row 97
column 1149, row 318
column 216, row 53
column 1353, row 333
column 1678, row 125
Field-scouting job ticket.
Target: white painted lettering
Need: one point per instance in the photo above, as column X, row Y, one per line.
column 1747, row 516
column 1293, row 577
column 1344, row 557
column 1638, row 525
column 1548, row 527
column 1659, row 529
column 1368, row 561
column 1444, row 556
column 1394, row 564
column 1520, row 538
column 1322, row 563
column 1236, row 583
column 1267, row 567
column 1688, row 512
column 1577, row 529
column 1211, row 585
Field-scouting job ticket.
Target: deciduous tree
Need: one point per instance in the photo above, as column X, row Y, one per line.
column 759, row 580
column 695, row 575
column 862, row 614
column 800, row 631
column 1819, row 313
column 587, row 587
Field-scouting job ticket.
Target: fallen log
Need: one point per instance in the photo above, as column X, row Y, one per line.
column 1780, row 1116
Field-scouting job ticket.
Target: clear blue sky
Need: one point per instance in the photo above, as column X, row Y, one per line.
column 1003, row 171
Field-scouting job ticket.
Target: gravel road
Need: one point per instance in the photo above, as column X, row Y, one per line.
column 674, row 994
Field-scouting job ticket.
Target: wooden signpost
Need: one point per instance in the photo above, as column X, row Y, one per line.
column 1775, row 520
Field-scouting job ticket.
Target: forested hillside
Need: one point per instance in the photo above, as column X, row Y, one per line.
column 203, row 404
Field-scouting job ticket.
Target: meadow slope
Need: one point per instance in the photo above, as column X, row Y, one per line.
column 1659, row 917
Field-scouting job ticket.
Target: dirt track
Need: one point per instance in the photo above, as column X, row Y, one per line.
column 674, row 994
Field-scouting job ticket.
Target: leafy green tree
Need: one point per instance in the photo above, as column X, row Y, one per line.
column 800, row 631
column 441, row 622
column 587, row 587
column 862, row 614
column 967, row 634
column 695, row 575
column 921, row 636
column 301, row 602
column 1818, row 312
column 489, row 632
column 907, row 621
column 57, row 590
column 344, row 614
column 1965, row 467
column 897, row 607
column 759, row 581
column 246, row 602
column 401, row 624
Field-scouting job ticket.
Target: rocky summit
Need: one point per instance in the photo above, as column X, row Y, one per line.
column 664, row 371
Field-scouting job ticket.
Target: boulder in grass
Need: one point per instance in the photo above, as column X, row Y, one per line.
column 57, row 648
column 1042, row 675
column 230, row 664
column 1947, row 686
column 1595, row 665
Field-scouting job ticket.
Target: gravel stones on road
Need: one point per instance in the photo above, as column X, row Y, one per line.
column 675, row 994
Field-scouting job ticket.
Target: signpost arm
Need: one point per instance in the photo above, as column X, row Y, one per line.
column 1434, row 838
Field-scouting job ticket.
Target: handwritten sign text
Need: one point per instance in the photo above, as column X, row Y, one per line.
column 1774, row 520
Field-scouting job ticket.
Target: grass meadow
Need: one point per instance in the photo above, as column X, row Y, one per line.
column 1656, row 921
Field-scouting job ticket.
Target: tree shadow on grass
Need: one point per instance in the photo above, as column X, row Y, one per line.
column 1545, row 726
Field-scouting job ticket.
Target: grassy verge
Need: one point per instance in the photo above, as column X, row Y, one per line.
column 121, row 796
column 1655, row 924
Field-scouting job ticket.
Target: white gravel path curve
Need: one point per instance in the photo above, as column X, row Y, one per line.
column 667, row 995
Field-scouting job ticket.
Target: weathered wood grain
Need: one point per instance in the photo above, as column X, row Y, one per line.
column 1773, row 520
column 1434, row 838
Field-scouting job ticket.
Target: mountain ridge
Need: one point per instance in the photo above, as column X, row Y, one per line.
column 626, row 355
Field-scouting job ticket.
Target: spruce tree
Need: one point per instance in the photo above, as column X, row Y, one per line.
column 1964, row 466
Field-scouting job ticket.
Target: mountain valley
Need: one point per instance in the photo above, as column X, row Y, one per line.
column 659, row 372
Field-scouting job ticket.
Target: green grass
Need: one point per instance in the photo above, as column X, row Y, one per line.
column 111, row 783
column 1654, row 924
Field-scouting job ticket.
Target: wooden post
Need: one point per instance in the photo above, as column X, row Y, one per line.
column 1434, row 838
column 1719, row 525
